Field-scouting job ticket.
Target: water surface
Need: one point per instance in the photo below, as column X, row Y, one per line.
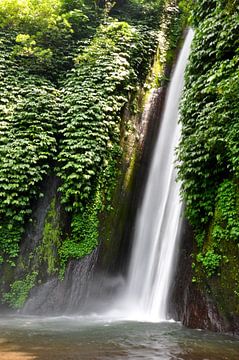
column 93, row 338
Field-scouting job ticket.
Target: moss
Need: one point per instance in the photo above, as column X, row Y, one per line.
column 19, row 291
column 130, row 171
column 51, row 238
column 226, row 287
column 21, row 262
column 222, row 238
column 153, row 80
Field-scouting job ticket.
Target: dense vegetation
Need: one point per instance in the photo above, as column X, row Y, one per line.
column 105, row 73
column 28, row 124
column 209, row 151
column 67, row 70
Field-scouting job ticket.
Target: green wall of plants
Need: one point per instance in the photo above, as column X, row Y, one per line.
column 209, row 151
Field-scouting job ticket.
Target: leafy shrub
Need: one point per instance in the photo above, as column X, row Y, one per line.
column 140, row 12
column 19, row 291
column 47, row 31
column 210, row 261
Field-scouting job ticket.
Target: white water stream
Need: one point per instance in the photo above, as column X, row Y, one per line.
column 153, row 258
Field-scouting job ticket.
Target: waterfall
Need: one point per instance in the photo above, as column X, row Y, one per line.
column 153, row 257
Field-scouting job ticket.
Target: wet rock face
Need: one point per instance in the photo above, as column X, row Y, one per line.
column 60, row 297
column 31, row 254
column 183, row 274
column 193, row 304
column 202, row 312
column 49, row 295
column 114, row 255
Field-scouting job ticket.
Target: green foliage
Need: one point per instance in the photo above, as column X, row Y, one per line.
column 210, row 261
column 202, row 9
column 33, row 21
column 186, row 7
column 173, row 22
column 141, row 12
column 95, row 93
column 47, row 31
column 209, row 115
column 208, row 153
column 28, row 125
column 29, row 13
column 9, row 241
column 84, row 233
column 226, row 219
column 19, row 291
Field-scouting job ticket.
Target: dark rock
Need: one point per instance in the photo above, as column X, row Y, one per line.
column 63, row 297
column 193, row 304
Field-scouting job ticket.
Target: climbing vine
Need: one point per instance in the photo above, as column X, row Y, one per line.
column 208, row 153
column 209, row 114
column 95, row 92
column 28, row 124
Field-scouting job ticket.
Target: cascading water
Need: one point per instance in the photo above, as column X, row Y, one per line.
column 158, row 219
